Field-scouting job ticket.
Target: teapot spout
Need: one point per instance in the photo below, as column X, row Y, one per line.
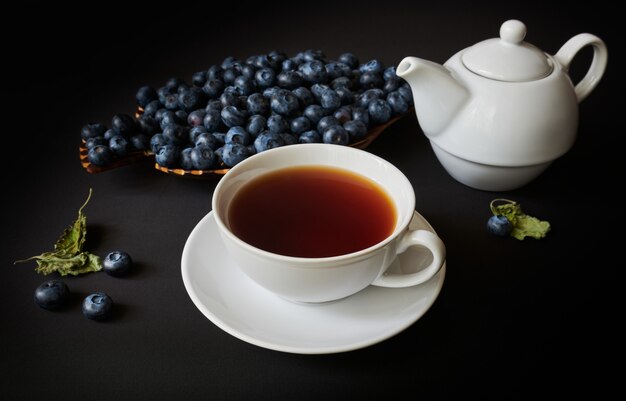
column 437, row 95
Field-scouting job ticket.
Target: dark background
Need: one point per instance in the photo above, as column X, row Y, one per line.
column 515, row 320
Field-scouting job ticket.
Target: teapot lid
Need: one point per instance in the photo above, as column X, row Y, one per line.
column 508, row 58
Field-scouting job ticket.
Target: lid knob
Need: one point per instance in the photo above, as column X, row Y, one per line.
column 513, row 31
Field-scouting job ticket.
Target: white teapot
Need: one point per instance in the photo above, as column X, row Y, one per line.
column 499, row 112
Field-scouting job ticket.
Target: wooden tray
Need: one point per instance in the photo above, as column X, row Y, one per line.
column 217, row 172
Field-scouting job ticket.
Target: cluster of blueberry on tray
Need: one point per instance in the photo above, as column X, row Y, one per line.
column 239, row 108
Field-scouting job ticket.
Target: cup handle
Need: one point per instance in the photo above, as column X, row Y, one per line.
column 566, row 54
column 416, row 238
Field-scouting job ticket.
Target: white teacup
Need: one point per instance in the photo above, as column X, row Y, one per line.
column 329, row 278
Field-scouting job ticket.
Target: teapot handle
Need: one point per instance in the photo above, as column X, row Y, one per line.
column 567, row 52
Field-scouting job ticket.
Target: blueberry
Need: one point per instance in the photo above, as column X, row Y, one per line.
column 190, row 98
column 214, row 105
column 499, row 225
column 305, row 97
column 374, row 66
column 151, row 108
column 257, row 104
column 140, row 141
column 349, row 59
column 268, row 140
column 171, row 101
column 117, row 263
column 277, row 124
column 329, row 99
column 195, row 132
column 370, row 79
column 314, row 72
column 215, row 72
column 110, row 133
column 365, row 98
column 405, row 91
column 100, row 155
column 336, row 70
column 119, row 146
column 123, row 124
column 284, row 103
column 230, row 74
column 185, row 159
column 94, row 141
column 389, row 73
column 265, row 77
column 336, row 135
column 342, row 82
column 175, row 83
column 345, row 95
column 256, row 124
column 97, row 306
column 360, row 114
column 300, row 124
column 380, row 111
column 175, row 134
column 207, row 139
column 156, row 142
column 145, row 95
column 167, row 156
column 213, row 120
column 238, row 135
column 392, row 84
column 244, row 85
column 248, row 71
column 314, row 113
column 91, row 130
column 343, row 114
column 163, row 92
column 232, row 116
column 398, row 103
column 356, row 129
column 199, row 78
column 213, row 88
column 326, row 122
column 234, row 153
column 288, row 139
column 314, row 54
column 202, row 157
column 318, row 89
column 196, row 117
column 310, row 137
column 289, row 79
column 148, row 125
column 52, row 294
column 289, row 65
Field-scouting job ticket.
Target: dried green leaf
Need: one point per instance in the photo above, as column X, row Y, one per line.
column 523, row 224
column 68, row 257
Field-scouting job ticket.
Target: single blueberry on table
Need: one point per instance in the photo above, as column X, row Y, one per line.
column 100, row 155
column 499, row 225
column 52, row 294
column 97, row 306
column 117, row 263
column 202, row 157
column 92, row 130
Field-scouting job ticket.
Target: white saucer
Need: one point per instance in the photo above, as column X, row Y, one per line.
column 247, row 311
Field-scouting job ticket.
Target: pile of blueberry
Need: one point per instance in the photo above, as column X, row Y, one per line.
column 240, row 108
